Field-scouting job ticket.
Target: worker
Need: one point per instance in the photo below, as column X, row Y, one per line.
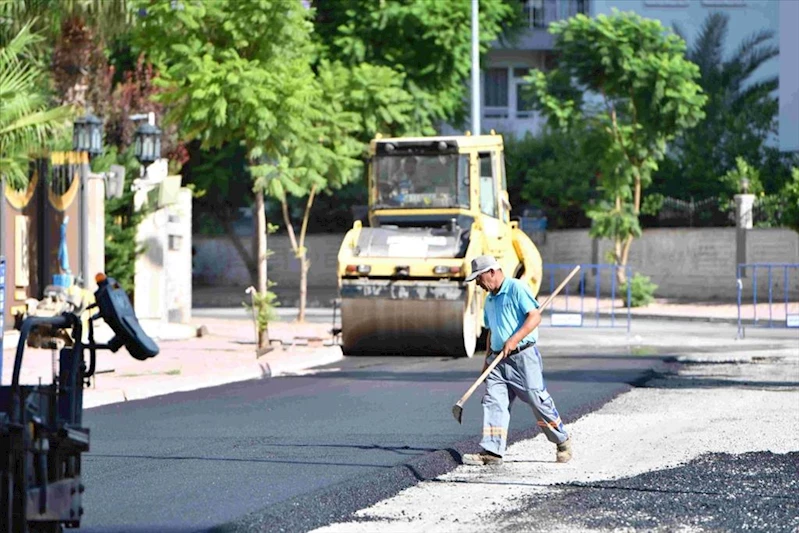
column 512, row 317
column 403, row 180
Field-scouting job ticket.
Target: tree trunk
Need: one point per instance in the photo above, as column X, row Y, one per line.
column 618, row 250
column 300, row 251
column 623, row 247
column 246, row 257
column 304, row 265
column 260, row 231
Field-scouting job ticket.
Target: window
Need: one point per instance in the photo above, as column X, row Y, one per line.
column 503, row 183
column 420, row 181
column 574, row 7
column 496, row 87
column 525, row 100
column 488, row 193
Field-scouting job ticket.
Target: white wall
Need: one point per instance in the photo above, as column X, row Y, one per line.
column 789, row 75
column 746, row 18
column 163, row 271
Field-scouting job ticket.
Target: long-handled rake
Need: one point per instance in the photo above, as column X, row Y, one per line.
column 457, row 409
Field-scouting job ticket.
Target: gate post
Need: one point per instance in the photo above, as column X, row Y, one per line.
column 743, row 222
column 739, row 290
column 2, row 306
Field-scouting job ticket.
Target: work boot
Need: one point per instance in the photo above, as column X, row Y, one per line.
column 564, row 453
column 482, row 459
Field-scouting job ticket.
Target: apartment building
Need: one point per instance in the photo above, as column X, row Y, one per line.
column 506, row 108
column 789, row 76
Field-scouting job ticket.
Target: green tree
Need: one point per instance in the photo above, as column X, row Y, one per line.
column 427, row 43
column 556, row 171
column 27, row 121
column 108, row 18
column 225, row 83
column 790, row 193
column 122, row 220
column 740, row 114
column 646, row 95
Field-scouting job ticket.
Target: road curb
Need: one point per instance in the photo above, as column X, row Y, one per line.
column 296, row 360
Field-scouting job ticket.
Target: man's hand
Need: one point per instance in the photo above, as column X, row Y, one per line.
column 509, row 346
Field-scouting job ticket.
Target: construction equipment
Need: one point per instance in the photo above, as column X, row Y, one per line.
column 435, row 203
column 42, row 435
column 457, row 409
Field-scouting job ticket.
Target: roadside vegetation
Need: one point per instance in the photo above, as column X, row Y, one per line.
column 267, row 107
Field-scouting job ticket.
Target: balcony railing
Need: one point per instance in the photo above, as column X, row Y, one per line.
column 540, row 13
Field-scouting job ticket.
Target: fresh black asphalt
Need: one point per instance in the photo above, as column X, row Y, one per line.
column 755, row 491
column 295, row 453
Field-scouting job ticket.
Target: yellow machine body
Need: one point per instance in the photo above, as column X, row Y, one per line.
column 435, row 203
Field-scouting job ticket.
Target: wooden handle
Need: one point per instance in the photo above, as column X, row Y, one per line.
column 497, row 359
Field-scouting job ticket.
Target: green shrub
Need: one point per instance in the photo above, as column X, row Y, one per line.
column 121, row 220
column 642, row 291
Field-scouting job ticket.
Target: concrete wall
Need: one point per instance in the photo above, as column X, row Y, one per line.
column 688, row 263
column 96, row 222
column 163, row 283
column 217, row 264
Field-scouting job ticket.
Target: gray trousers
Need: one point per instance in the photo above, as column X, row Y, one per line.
column 519, row 375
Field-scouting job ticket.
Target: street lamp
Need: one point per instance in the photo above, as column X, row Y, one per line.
column 148, row 143
column 87, row 135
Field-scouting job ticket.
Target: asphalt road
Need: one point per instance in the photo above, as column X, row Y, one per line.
column 294, row 453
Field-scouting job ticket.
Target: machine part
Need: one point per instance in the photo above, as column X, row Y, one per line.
column 457, row 409
column 435, row 203
column 41, row 432
column 407, row 317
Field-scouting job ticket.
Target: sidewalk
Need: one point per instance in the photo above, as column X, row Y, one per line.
column 225, row 353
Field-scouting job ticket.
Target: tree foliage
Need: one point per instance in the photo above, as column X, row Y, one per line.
column 107, row 18
column 642, row 95
column 225, row 83
column 121, row 220
column 425, row 44
column 27, row 120
column 557, row 172
column 740, row 115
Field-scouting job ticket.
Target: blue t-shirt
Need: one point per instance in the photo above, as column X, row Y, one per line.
column 505, row 312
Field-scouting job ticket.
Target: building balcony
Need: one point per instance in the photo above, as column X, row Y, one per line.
column 512, row 123
column 539, row 14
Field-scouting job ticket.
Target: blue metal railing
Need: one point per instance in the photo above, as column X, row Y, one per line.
column 605, row 303
column 780, row 314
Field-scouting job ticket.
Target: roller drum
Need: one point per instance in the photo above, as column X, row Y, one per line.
column 407, row 327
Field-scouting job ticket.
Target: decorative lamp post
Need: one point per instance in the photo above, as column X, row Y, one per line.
column 148, row 144
column 87, row 135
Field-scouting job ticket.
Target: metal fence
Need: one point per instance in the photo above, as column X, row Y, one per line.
column 593, row 298
column 768, row 295
column 767, row 212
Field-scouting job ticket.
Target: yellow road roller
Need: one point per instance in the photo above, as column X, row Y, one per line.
column 435, row 203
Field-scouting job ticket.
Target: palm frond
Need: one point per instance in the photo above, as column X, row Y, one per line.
column 708, row 48
column 757, row 57
column 755, row 93
column 26, row 122
column 751, row 42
